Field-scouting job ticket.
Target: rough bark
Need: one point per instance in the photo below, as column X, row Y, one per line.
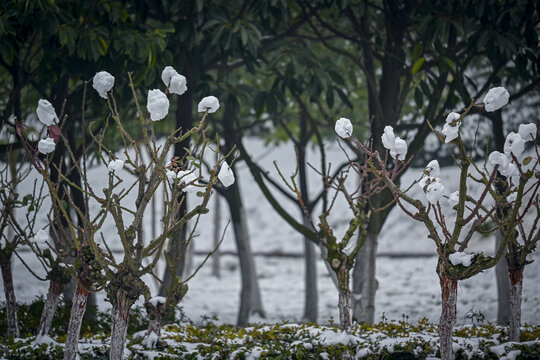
column 250, row 295
column 49, row 309
column 78, row 308
column 448, row 317
column 344, row 302
column 155, row 322
column 365, row 283
column 11, row 303
column 120, row 319
column 516, row 280
column 503, row 285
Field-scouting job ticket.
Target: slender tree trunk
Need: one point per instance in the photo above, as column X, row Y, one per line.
column 11, row 303
column 365, row 283
column 49, row 309
column 120, row 319
column 503, row 284
column 448, row 317
column 184, row 120
column 250, row 295
column 217, row 237
column 311, row 295
column 78, row 308
column 516, row 280
column 344, row 302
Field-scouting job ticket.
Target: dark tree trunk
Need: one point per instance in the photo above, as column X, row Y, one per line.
column 120, row 319
column 448, row 317
column 217, row 237
column 49, row 309
column 311, row 298
column 155, row 322
column 516, row 280
column 250, row 295
column 184, row 120
column 78, row 308
column 503, row 284
column 501, row 269
column 11, row 303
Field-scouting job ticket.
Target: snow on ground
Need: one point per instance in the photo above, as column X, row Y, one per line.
column 407, row 286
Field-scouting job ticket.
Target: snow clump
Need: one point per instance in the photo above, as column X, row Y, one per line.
column 514, row 144
column 156, row 300
column 451, row 127
column 150, row 340
column 171, row 175
column 527, row 131
column 46, row 113
column 115, row 165
column 176, row 83
column 396, row 145
column 433, row 169
column 461, row 258
column 103, row 82
column 157, row 105
column 434, row 190
column 188, row 178
column 506, row 168
column 453, row 198
column 344, row 128
column 46, row 146
column 210, row 103
column 226, row 176
column 41, row 237
column 496, row 98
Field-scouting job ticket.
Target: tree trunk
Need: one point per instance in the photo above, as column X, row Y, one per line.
column 448, row 317
column 78, row 308
column 516, row 280
column 11, row 303
column 49, row 309
column 184, row 120
column 250, row 295
column 120, row 319
column 364, row 282
column 311, row 294
column 344, row 302
column 217, row 237
column 503, row 284
column 155, row 322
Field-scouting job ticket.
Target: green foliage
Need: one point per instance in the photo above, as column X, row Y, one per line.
column 94, row 322
column 386, row 340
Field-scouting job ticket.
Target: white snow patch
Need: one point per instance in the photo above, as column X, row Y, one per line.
column 157, row 104
column 103, row 82
column 46, row 146
column 46, row 113
column 210, row 103
column 461, row 258
column 496, row 98
column 344, row 128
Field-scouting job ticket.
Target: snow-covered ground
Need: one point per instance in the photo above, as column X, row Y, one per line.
column 407, row 286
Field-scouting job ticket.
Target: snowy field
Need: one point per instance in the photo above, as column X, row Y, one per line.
column 408, row 286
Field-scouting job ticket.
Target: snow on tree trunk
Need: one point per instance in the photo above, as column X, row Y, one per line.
column 516, row 287
column 120, row 319
column 344, row 302
column 155, row 322
column 55, row 289
column 364, row 282
column 11, row 304
column 448, row 317
column 74, row 328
